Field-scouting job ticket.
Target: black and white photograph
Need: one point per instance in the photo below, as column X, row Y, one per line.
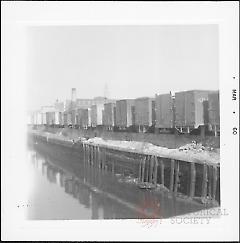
column 130, row 123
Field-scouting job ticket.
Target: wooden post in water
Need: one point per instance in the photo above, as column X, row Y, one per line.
column 113, row 167
column 215, row 179
column 176, row 176
column 193, row 180
column 210, row 179
column 140, row 171
column 155, row 170
column 172, row 175
column 95, row 156
column 151, row 169
column 87, row 153
column 215, row 130
column 91, row 154
column 147, row 167
column 204, row 181
column 105, row 161
column 83, row 152
column 99, row 157
column 143, row 168
column 162, row 171
column 103, row 158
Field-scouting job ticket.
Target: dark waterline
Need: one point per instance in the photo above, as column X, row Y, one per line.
column 63, row 187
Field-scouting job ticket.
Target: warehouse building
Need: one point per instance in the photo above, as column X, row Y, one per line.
column 96, row 115
column 144, row 109
column 190, row 112
column 164, row 106
column 125, row 113
column 109, row 116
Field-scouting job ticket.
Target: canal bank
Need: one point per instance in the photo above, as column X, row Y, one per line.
column 191, row 178
column 69, row 188
column 170, row 141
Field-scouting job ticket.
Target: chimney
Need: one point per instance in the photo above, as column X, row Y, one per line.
column 74, row 94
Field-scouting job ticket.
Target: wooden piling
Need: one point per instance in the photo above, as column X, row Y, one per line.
column 88, row 149
column 204, row 181
column 103, row 158
column 147, row 168
column 172, row 175
column 93, row 147
column 210, row 176
column 143, row 167
column 87, row 153
column 113, row 167
column 83, row 152
column 162, row 171
column 215, row 179
column 106, row 164
column 176, row 176
column 99, row 157
column 151, row 169
column 140, row 171
column 95, row 156
column 155, row 170
column 193, row 180
column 215, row 130
column 91, row 154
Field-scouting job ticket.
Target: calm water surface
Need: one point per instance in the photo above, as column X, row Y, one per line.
column 64, row 187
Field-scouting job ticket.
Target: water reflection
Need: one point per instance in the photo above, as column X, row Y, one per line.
column 101, row 194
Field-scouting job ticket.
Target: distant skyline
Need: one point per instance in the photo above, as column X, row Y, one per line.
column 131, row 61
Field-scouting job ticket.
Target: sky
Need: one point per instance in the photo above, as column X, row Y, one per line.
column 132, row 61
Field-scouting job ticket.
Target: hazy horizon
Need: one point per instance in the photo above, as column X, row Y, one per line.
column 133, row 61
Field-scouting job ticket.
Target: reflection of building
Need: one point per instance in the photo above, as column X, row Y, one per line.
column 94, row 205
column 58, row 176
column 69, row 186
column 84, row 195
column 51, row 174
column 75, row 189
column 62, row 179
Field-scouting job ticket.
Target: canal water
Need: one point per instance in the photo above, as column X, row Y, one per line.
column 64, row 187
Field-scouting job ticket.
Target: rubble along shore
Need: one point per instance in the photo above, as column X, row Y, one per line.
column 190, row 152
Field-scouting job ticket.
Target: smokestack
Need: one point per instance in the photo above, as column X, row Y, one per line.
column 74, row 94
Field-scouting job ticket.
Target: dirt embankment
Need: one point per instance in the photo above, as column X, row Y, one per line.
column 191, row 152
column 163, row 140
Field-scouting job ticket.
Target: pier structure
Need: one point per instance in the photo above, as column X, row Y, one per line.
column 198, row 181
